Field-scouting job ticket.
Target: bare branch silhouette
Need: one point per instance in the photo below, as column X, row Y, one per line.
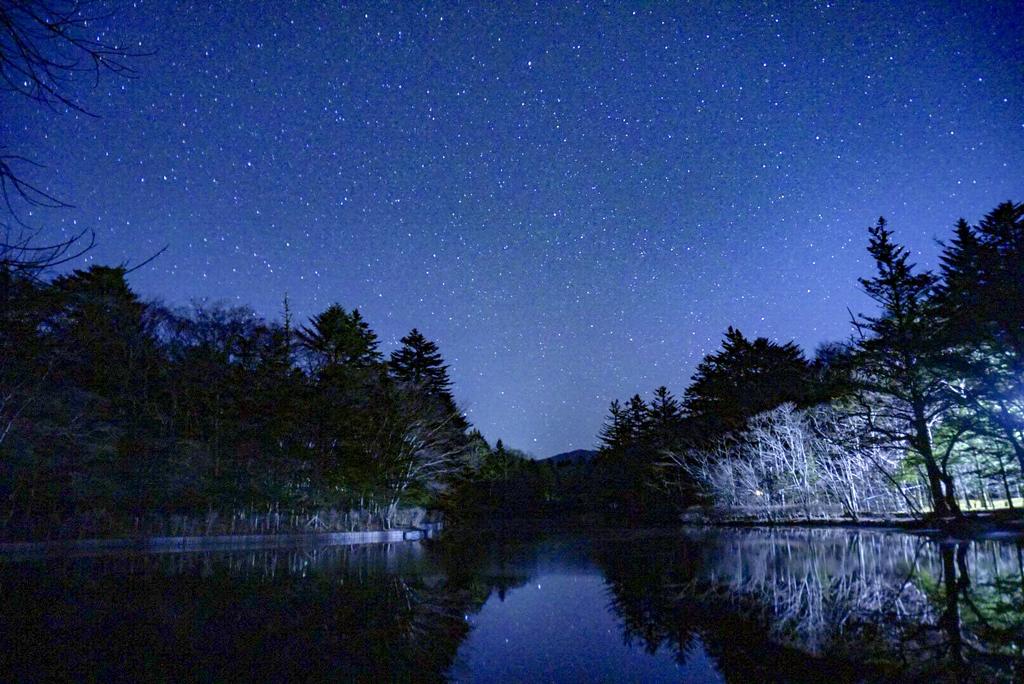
column 46, row 48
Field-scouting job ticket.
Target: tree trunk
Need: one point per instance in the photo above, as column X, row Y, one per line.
column 943, row 499
column 1006, row 484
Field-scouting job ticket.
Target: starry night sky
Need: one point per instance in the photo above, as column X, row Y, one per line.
column 573, row 201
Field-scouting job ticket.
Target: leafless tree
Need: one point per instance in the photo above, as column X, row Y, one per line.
column 411, row 445
column 793, row 463
column 49, row 49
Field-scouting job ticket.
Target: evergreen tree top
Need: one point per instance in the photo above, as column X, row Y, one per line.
column 744, row 378
column 419, row 361
column 340, row 338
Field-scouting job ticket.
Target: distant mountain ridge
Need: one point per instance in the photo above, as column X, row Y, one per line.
column 574, row 456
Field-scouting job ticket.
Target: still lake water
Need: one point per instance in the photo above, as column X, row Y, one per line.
column 753, row 605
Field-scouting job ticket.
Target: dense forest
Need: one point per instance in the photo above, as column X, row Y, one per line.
column 124, row 415
column 120, row 414
column 920, row 412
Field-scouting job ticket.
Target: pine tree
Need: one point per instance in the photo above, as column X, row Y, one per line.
column 277, row 357
column 614, row 433
column 364, row 341
column 898, row 355
column 103, row 328
column 287, row 331
column 503, row 462
column 636, row 419
column 419, row 362
column 107, row 347
column 664, row 420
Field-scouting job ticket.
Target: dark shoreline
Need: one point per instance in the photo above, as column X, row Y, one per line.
column 973, row 525
column 102, row 546
column 990, row 525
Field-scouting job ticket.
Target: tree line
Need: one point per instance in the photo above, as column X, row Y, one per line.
column 920, row 411
column 112, row 408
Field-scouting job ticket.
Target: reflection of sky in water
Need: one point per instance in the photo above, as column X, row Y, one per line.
column 560, row 628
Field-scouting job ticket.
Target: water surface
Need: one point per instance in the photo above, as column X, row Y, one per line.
column 693, row 605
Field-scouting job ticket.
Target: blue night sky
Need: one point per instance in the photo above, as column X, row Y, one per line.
column 573, row 200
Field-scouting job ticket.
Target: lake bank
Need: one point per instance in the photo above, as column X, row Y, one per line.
column 973, row 524
column 185, row 544
column 100, row 527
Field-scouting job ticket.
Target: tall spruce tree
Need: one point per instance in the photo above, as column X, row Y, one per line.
column 418, row 361
column 899, row 355
column 614, row 433
column 636, row 419
column 664, row 418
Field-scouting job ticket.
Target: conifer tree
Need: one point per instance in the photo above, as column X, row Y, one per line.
column 288, row 333
column 665, row 415
column 338, row 338
column 743, row 379
column 981, row 300
column 898, row 354
column 419, row 362
column 636, row 419
column 614, row 434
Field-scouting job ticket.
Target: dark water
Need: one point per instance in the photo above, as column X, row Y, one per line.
column 699, row 606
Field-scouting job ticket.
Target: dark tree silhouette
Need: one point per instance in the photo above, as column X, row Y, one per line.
column 898, row 355
column 113, row 409
column 743, row 379
column 615, row 432
column 636, row 415
column 418, row 361
column 981, row 302
column 663, row 425
column 339, row 338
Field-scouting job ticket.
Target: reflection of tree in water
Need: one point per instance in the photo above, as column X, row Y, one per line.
column 370, row 613
column 767, row 605
column 781, row 603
